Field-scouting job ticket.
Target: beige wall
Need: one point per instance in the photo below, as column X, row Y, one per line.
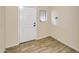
column 43, row 28
column 11, row 26
column 2, row 29
column 67, row 29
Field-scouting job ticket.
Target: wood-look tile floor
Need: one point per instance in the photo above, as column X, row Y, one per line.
column 45, row 45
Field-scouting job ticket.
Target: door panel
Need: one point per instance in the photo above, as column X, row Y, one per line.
column 27, row 28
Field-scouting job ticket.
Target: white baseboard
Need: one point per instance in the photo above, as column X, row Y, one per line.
column 12, row 45
column 65, row 44
column 41, row 37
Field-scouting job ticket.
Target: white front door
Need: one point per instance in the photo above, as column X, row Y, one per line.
column 27, row 24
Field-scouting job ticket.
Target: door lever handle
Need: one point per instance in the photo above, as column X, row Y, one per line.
column 34, row 25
